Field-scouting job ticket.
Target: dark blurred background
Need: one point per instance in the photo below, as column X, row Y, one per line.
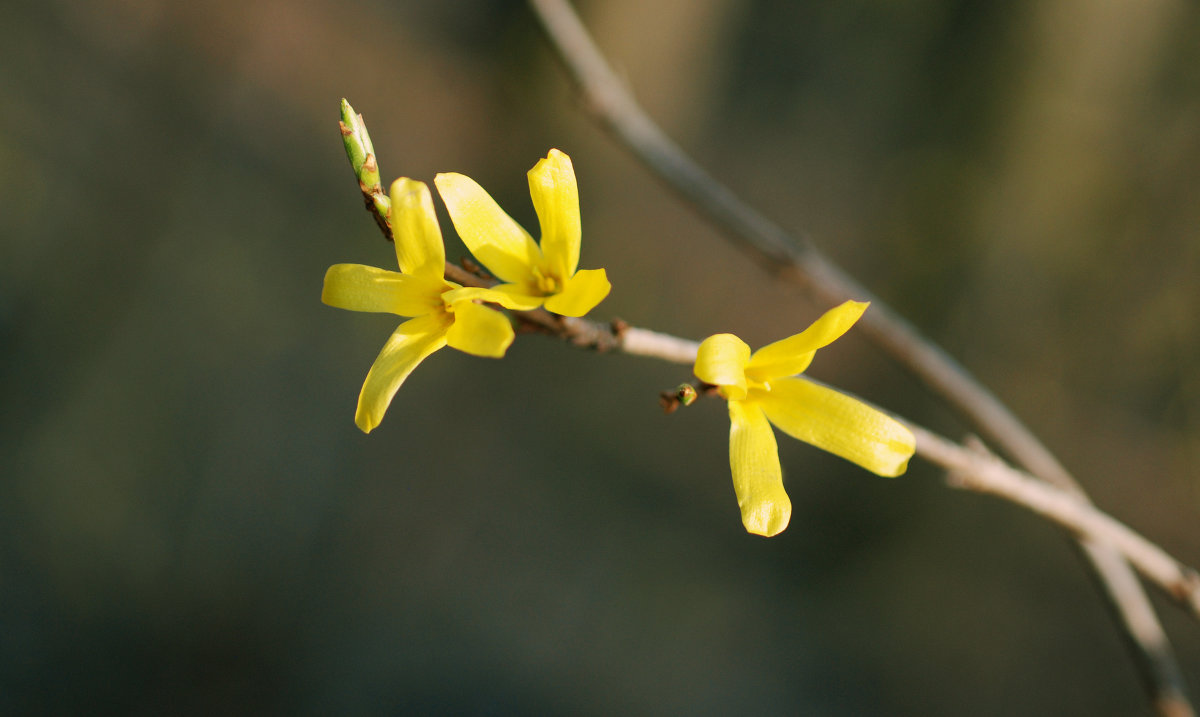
column 191, row 524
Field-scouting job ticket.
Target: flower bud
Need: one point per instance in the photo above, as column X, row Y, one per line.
column 359, row 149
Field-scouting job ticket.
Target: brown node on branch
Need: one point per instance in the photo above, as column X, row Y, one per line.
column 473, row 267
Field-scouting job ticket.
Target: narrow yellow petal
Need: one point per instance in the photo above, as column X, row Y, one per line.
column 556, row 200
column 757, row 477
column 721, row 361
column 496, row 240
column 580, row 294
column 510, row 296
column 411, row 343
column 793, row 354
column 839, row 424
column 364, row 288
column 479, row 331
column 418, row 238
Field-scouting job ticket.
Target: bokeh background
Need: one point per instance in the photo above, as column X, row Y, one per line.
column 191, row 524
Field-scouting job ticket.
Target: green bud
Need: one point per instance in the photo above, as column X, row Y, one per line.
column 359, row 149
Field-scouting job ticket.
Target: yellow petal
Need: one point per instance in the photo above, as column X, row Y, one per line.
column 419, row 247
column 365, row 288
column 757, row 478
column 414, row 340
column 510, row 296
column 556, row 200
column 580, row 294
column 839, row 424
column 479, row 331
column 498, row 242
column 793, row 354
column 721, row 360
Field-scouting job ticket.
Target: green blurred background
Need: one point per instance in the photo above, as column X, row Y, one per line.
column 191, row 524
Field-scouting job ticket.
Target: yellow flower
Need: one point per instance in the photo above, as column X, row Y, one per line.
column 532, row 275
column 763, row 389
column 442, row 315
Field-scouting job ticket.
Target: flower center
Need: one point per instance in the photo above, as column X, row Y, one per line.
column 545, row 283
column 751, row 387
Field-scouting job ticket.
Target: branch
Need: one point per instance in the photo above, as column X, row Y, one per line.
column 982, row 472
column 968, row 468
column 796, row 260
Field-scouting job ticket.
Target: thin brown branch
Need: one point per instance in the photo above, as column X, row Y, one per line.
column 795, row 259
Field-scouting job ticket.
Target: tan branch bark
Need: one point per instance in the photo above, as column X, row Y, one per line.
column 982, row 472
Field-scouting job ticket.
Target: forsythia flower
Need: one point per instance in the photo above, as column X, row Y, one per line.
column 442, row 314
column 763, row 389
column 532, row 275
